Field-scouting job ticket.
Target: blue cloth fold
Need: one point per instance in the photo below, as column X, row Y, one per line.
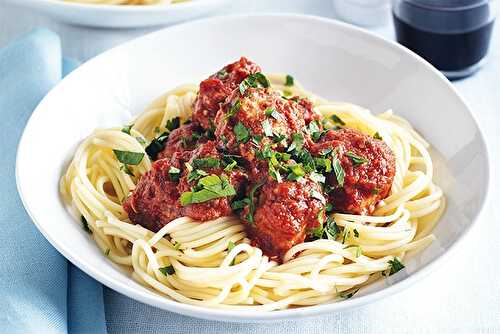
column 40, row 292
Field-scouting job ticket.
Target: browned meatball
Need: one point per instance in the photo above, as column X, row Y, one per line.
column 158, row 197
column 154, row 201
column 369, row 167
column 247, row 123
column 214, row 90
column 284, row 213
column 185, row 138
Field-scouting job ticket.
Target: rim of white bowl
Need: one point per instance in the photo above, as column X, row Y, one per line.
column 259, row 316
column 128, row 8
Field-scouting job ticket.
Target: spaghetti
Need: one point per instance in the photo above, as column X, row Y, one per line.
column 213, row 264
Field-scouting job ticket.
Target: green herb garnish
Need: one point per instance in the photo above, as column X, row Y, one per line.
column 254, row 80
column 85, row 225
column 173, row 123
column 208, row 188
column 337, row 119
column 289, row 80
column 126, row 129
column 297, row 142
column 174, row 173
column 241, row 132
column 157, row 145
column 337, row 168
column 377, row 136
column 357, row 160
column 234, row 109
column 268, row 129
column 169, row 270
column 129, row 158
column 209, row 162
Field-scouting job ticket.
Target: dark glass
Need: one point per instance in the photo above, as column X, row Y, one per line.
column 453, row 35
column 447, row 52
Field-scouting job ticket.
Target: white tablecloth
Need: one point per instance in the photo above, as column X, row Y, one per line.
column 463, row 296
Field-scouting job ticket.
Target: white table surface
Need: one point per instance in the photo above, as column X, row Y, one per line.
column 463, row 296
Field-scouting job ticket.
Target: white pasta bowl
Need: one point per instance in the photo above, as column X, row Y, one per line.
column 332, row 59
column 115, row 16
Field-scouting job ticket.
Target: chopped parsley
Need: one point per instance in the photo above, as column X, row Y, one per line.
column 241, row 132
column 173, row 123
column 169, row 270
column 356, row 233
column 140, row 140
column 268, row 129
column 174, row 173
column 347, row 295
column 329, row 230
column 196, row 174
column 297, row 142
column 209, row 162
column 337, row 119
column 247, row 201
column 157, row 145
column 394, row 266
column 254, row 80
column 234, row 109
column 229, row 167
column 317, row 177
column 377, row 136
column 230, row 247
column 271, row 112
column 126, row 169
column 296, row 172
column 222, row 74
column 129, row 158
column 208, row 188
column 357, row 160
column 339, row 171
column 85, row 225
column 289, row 81
column 126, row 129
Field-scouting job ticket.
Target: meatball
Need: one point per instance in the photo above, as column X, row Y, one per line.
column 158, row 197
column 369, row 167
column 284, row 213
column 260, row 118
column 214, row 90
column 154, row 201
column 185, row 138
column 206, row 161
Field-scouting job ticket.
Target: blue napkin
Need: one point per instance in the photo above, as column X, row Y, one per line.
column 40, row 292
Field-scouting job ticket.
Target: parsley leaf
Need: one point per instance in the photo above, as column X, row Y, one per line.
column 85, row 225
column 210, row 187
column 209, row 162
column 157, row 145
column 377, row 136
column 169, row 270
column 126, row 129
column 337, row 119
column 268, row 129
column 129, row 158
column 357, row 160
column 297, row 142
column 339, row 171
column 241, row 132
column 254, row 80
column 173, row 123
column 395, row 265
column 174, row 173
column 289, row 81
column 234, row 109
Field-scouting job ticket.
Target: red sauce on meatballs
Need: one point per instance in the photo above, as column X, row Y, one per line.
column 252, row 152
